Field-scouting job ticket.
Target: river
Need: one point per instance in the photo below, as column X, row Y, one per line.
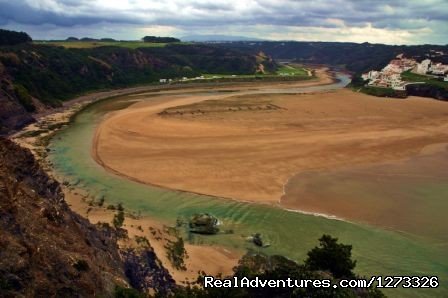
column 292, row 234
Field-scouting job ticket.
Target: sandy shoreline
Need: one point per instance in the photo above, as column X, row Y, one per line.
column 100, row 95
column 324, row 77
column 214, row 260
column 247, row 147
column 230, row 125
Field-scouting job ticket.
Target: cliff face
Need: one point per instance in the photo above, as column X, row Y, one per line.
column 47, row 250
column 12, row 114
column 428, row 91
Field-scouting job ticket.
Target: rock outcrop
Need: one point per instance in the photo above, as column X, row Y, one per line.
column 203, row 223
column 146, row 273
column 425, row 90
column 12, row 114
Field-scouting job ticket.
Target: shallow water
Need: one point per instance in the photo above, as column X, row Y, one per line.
column 291, row 234
column 409, row 195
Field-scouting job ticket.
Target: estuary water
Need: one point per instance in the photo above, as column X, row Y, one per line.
column 378, row 251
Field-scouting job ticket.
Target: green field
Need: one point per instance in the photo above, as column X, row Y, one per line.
column 382, row 92
column 413, row 77
column 282, row 71
column 227, row 76
column 292, row 70
column 95, row 44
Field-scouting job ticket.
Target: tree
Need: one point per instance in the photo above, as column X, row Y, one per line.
column 24, row 98
column 331, row 256
column 8, row 37
column 158, row 39
column 357, row 82
column 276, row 268
column 119, row 217
column 176, row 253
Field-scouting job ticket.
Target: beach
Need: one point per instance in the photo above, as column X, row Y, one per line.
column 246, row 147
column 290, row 232
column 214, row 260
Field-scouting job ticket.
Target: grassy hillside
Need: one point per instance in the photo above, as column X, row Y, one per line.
column 413, row 77
column 53, row 74
column 36, row 74
column 293, row 72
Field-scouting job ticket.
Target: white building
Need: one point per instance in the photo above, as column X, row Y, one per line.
column 162, row 80
column 392, row 68
column 399, row 87
column 439, row 69
column 424, row 66
column 371, row 75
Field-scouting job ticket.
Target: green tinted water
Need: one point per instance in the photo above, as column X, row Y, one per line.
column 379, row 252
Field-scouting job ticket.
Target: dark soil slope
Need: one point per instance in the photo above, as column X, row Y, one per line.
column 45, row 248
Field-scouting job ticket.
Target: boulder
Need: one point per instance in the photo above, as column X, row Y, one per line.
column 203, row 223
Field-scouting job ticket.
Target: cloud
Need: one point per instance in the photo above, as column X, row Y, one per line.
column 381, row 19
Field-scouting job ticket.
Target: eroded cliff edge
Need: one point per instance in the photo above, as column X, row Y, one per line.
column 48, row 250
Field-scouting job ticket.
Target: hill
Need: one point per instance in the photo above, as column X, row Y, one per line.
column 353, row 57
column 35, row 76
column 160, row 39
column 8, row 37
column 84, row 44
column 217, row 38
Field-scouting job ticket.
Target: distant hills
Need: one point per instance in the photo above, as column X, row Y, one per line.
column 217, row 38
column 354, row 57
column 36, row 76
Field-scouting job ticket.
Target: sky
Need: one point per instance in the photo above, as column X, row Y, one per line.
column 380, row 21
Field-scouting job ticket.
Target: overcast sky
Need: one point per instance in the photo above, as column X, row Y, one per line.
column 380, row 21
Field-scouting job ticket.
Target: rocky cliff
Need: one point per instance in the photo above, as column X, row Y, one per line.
column 13, row 115
column 46, row 250
column 425, row 90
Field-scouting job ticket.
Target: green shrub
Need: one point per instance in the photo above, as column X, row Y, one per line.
column 121, row 292
column 331, row 256
column 141, row 240
column 383, row 92
column 24, row 98
column 118, row 219
column 176, row 253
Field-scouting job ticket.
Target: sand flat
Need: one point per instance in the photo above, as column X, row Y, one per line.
column 214, row 260
column 408, row 195
column 250, row 154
